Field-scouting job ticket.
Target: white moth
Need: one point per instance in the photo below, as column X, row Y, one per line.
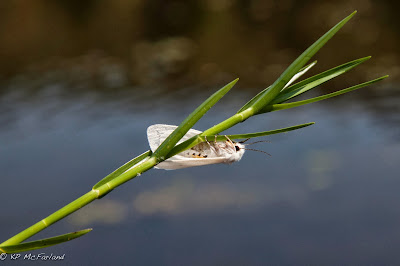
column 204, row 153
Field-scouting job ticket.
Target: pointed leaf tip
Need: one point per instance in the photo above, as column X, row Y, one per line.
column 268, row 95
column 233, row 82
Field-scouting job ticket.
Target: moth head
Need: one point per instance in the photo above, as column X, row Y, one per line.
column 239, row 148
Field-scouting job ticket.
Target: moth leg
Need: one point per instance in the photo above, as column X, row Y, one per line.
column 230, row 141
column 205, row 137
column 209, row 144
column 216, row 143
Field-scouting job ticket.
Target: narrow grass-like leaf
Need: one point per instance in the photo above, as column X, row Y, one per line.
column 201, row 138
column 43, row 243
column 314, row 81
column 295, row 77
column 282, row 106
column 162, row 151
column 279, row 84
column 122, row 169
column 257, row 134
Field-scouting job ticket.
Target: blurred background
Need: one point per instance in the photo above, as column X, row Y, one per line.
column 80, row 81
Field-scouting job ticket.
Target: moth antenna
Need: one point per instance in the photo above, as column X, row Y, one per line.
column 257, row 142
column 258, row 151
column 243, row 141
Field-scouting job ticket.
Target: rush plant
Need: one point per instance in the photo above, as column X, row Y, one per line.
column 273, row 98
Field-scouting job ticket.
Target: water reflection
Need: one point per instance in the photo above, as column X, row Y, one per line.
column 101, row 212
column 187, row 196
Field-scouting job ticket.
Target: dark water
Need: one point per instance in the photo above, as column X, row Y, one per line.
column 327, row 195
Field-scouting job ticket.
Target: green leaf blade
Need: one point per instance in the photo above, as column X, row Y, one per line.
column 187, row 124
column 43, row 243
column 257, row 134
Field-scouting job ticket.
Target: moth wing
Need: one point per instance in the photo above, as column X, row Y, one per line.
column 182, row 162
column 157, row 133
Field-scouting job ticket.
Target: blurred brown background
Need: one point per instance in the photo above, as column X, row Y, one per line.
column 183, row 42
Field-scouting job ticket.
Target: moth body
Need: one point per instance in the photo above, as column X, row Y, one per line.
column 204, row 153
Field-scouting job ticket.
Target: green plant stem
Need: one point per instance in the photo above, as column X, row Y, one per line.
column 51, row 219
column 230, row 122
column 105, row 188
column 112, row 181
column 87, row 198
